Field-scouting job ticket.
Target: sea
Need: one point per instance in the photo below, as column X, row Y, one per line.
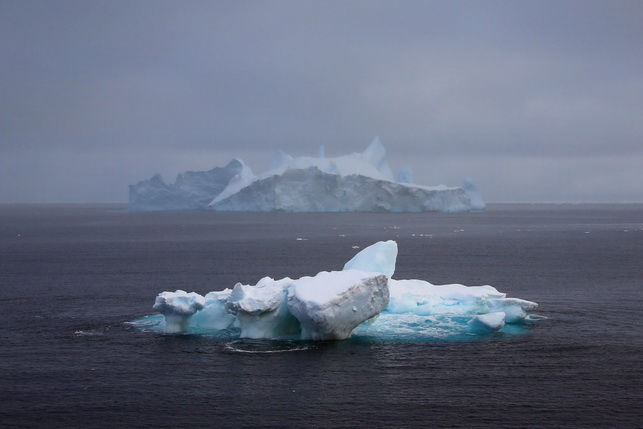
column 73, row 277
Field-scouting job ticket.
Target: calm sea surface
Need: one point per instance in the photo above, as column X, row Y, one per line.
column 72, row 276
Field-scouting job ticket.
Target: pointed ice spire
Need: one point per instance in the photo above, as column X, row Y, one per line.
column 243, row 178
column 376, row 258
column 322, row 151
column 280, row 160
column 375, row 153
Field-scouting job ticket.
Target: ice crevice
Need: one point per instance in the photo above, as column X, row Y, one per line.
column 362, row 299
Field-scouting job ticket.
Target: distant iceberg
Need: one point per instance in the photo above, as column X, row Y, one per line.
column 312, row 190
column 362, row 297
column 360, row 181
column 192, row 190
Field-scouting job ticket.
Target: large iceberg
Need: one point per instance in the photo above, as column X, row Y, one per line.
column 362, row 297
column 360, row 181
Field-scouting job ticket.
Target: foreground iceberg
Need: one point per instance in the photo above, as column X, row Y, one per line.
column 360, row 181
column 332, row 305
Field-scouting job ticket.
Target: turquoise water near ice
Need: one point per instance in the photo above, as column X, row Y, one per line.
column 387, row 327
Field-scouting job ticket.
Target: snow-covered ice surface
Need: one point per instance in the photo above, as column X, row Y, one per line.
column 361, row 300
column 331, row 304
column 361, row 181
column 177, row 308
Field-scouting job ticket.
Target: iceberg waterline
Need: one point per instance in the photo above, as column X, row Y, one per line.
column 361, row 181
column 332, row 305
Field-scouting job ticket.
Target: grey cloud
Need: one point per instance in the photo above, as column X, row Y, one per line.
column 140, row 87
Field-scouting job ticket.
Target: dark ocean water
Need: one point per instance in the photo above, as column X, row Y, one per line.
column 72, row 276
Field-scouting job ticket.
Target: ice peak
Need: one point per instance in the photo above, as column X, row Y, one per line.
column 243, row 178
column 375, row 152
column 280, row 160
column 236, row 163
column 376, row 258
column 157, row 179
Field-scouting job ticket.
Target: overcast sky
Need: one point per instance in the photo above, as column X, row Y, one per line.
column 538, row 101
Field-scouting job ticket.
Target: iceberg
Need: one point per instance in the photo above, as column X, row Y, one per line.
column 362, row 181
column 327, row 306
column 363, row 298
column 177, row 308
column 192, row 190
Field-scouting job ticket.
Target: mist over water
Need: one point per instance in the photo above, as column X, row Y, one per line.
column 539, row 101
column 72, row 276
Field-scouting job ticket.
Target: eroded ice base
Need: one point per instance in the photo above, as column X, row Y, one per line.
column 361, row 300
